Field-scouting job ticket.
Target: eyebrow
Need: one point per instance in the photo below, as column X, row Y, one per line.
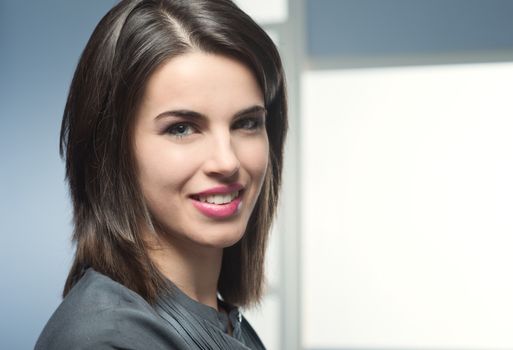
column 188, row 114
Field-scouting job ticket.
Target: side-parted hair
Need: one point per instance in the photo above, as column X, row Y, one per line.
column 134, row 39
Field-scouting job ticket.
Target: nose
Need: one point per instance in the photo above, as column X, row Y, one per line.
column 222, row 160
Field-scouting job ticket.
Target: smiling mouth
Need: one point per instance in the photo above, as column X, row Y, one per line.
column 218, row 199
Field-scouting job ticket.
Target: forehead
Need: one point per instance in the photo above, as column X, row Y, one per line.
column 207, row 83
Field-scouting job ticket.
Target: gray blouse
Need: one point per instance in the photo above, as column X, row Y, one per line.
column 99, row 313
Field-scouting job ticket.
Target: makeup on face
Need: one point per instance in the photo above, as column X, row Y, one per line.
column 219, row 202
column 201, row 148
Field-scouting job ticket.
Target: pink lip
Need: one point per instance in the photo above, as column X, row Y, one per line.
column 219, row 211
column 221, row 189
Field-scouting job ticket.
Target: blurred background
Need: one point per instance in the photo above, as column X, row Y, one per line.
column 395, row 229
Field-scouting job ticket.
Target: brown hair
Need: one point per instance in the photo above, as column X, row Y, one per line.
column 128, row 45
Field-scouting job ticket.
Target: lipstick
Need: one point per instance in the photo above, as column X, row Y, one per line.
column 219, row 202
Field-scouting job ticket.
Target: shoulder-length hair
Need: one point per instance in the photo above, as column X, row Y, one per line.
column 128, row 45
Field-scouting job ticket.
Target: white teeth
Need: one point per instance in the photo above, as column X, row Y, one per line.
column 219, row 198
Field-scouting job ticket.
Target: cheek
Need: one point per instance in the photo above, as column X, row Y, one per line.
column 255, row 157
column 163, row 166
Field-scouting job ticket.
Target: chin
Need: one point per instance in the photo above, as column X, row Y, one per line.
column 207, row 235
column 220, row 241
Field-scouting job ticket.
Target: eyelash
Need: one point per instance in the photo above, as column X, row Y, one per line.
column 172, row 130
column 255, row 124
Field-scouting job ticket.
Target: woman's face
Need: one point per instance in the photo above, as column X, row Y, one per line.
column 201, row 148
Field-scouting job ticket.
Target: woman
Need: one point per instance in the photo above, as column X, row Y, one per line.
column 173, row 135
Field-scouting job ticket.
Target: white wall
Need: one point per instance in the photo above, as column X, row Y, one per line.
column 407, row 212
column 265, row 11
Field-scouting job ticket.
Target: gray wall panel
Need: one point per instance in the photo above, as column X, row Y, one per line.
column 40, row 43
column 407, row 27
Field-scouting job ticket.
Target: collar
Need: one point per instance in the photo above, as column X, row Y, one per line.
column 216, row 318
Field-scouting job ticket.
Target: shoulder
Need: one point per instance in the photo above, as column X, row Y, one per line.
column 99, row 313
column 249, row 335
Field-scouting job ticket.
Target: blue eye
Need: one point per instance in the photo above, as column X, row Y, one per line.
column 249, row 124
column 180, row 130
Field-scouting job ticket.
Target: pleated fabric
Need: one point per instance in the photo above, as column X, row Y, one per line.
column 99, row 313
column 203, row 327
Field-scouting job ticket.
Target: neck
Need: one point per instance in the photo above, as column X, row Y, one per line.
column 192, row 268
